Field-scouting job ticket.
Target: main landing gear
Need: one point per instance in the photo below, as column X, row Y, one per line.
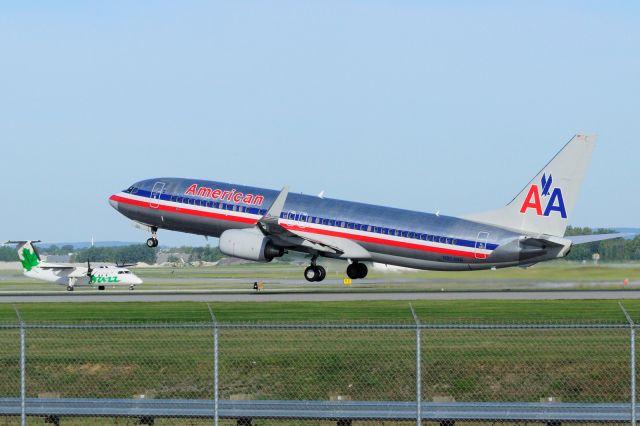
column 315, row 273
column 357, row 270
column 153, row 241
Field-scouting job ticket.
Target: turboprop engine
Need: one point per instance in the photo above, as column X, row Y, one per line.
column 249, row 244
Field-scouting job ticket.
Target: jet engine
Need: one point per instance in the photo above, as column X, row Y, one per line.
column 248, row 244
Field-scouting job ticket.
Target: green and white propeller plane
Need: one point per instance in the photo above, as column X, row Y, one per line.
column 71, row 275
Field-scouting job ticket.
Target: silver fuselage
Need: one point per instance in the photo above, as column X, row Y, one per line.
column 389, row 235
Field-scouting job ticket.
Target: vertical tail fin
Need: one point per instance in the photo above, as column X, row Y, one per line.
column 545, row 204
column 27, row 254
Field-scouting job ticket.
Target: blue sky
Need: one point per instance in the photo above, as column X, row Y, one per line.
column 425, row 105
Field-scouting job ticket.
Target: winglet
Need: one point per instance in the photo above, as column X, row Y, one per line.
column 276, row 208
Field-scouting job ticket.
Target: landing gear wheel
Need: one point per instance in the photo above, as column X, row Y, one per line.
column 69, row 288
column 352, row 271
column 357, row 270
column 322, row 273
column 152, row 242
column 362, row 270
column 311, row 274
column 131, row 287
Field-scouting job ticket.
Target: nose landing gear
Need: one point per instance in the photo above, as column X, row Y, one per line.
column 153, row 241
column 315, row 273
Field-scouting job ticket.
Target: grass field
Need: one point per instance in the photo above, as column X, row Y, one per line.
column 463, row 365
column 588, row 364
column 441, row 311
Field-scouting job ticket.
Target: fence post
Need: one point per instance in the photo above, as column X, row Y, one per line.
column 23, row 370
column 215, row 366
column 632, row 364
column 418, row 367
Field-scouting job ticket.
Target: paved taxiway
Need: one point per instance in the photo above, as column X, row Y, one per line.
column 274, row 296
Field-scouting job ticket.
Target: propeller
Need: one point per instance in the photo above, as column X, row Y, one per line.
column 89, row 269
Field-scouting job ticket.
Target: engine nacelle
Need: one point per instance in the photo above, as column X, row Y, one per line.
column 248, row 244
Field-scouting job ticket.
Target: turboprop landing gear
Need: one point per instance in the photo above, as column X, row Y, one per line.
column 69, row 288
column 153, row 241
column 315, row 273
column 357, row 270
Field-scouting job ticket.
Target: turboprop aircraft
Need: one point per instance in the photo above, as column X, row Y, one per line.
column 69, row 275
column 262, row 224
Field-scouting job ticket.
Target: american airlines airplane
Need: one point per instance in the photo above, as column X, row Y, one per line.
column 262, row 224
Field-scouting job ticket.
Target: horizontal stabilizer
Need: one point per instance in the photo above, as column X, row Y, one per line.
column 584, row 239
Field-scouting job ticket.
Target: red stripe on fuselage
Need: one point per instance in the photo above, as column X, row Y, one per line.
column 331, row 233
column 375, row 240
column 193, row 212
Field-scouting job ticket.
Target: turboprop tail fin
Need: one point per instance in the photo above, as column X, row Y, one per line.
column 27, row 254
column 546, row 202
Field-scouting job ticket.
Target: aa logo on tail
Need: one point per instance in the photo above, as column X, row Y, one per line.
column 537, row 194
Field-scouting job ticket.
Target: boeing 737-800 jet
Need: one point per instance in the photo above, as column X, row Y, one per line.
column 262, row 224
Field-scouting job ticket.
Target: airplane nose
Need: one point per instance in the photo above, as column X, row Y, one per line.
column 113, row 202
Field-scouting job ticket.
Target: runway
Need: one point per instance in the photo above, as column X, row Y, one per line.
column 337, row 296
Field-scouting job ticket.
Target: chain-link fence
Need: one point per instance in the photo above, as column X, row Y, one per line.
column 289, row 374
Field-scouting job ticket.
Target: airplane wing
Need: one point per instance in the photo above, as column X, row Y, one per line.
column 584, row 239
column 269, row 225
column 45, row 265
